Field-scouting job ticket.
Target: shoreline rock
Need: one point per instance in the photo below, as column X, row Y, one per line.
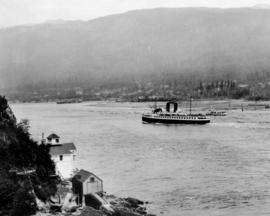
column 115, row 206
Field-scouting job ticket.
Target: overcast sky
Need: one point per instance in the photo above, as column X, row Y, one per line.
column 17, row 12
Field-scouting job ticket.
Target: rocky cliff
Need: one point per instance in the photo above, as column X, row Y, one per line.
column 25, row 166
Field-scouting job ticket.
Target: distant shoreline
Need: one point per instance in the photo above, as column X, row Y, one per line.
column 204, row 104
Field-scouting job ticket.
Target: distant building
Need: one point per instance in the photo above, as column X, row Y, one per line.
column 63, row 154
column 84, row 183
column 243, row 85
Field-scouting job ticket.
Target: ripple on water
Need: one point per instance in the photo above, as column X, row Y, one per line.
column 217, row 169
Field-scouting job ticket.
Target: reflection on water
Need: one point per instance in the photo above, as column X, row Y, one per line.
column 222, row 168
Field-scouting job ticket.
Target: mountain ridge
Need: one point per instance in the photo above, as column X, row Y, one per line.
column 136, row 44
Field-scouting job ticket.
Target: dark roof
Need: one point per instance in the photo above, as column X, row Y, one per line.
column 53, row 136
column 64, row 148
column 83, row 175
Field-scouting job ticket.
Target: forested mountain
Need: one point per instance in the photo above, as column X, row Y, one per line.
column 200, row 43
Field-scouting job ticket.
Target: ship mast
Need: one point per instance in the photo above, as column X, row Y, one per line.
column 190, row 105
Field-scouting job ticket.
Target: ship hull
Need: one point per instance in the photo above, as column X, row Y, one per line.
column 174, row 121
column 216, row 114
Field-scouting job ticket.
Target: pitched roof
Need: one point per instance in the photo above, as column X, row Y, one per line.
column 83, row 175
column 64, row 148
column 53, row 136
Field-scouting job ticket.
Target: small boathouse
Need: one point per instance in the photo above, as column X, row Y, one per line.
column 85, row 183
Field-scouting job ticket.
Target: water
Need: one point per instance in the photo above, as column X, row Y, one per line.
column 222, row 168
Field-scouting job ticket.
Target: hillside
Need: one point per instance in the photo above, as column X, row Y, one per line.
column 126, row 47
column 25, row 167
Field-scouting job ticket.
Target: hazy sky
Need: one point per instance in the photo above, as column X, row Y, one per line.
column 16, row 12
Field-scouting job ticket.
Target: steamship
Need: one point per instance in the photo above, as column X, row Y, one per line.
column 213, row 112
column 158, row 115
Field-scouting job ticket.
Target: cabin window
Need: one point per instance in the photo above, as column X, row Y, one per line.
column 92, row 179
column 57, row 140
column 60, row 157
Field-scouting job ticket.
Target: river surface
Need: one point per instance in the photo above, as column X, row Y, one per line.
column 222, row 168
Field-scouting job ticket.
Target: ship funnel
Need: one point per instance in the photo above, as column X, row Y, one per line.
column 168, row 106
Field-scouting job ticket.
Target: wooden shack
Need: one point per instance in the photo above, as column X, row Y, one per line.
column 84, row 183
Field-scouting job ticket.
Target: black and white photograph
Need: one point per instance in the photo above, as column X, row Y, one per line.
column 134, row 107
